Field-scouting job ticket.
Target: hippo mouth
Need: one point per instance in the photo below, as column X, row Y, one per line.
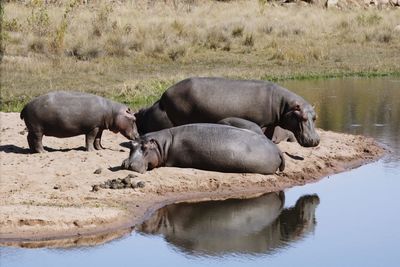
column 308, row 138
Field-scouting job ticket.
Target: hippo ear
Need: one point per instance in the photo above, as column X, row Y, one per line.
column 298, row 111
column 135, row 144
column 151, row 144
column 296, row 107
column 129, row 114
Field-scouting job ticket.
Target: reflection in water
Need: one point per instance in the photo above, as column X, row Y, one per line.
column 259, row 225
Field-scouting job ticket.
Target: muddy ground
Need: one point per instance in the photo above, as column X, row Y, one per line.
column 50, row 198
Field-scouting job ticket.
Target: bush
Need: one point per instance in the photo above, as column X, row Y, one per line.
column 39, row 21
column 368, row 19
column 249, row 40
column 237, row 31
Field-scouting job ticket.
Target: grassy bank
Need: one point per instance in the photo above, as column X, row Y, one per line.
column 132, row 51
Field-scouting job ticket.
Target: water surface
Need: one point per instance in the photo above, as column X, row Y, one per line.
column 348, row 219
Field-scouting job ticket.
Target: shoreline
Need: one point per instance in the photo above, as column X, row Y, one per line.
column 35, row 214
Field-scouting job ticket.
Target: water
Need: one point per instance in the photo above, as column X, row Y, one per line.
column 349, row 219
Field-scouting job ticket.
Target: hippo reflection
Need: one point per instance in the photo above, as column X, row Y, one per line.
column 259, row 225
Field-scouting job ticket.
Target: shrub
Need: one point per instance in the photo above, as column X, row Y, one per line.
column 39, row 21
column 176, row 52
column 57, row 42
column 249, row 40
column 37, row 45
column 368, row 19
column 216, row 39
column 12, row 25
column 237, row 31
column 101, row 19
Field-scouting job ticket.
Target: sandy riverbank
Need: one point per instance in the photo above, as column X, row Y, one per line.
column 49, row 196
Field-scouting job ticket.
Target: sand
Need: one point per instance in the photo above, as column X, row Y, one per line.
column 49, row 198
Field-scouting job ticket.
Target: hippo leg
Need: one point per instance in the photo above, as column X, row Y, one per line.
column 35, row 142
column 97, row 141
column 90, row 138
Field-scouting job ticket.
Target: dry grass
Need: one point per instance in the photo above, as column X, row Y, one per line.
column 140, row 47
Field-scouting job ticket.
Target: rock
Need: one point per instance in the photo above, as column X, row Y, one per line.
column 98, row 171
column 131, row 175
column 114, row 185
column 95, row 188
column 140, row 184
column 331, row 3
column 56, row 187
column 127, row 182
column 397, row 28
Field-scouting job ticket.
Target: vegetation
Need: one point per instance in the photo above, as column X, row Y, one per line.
column 133, row 50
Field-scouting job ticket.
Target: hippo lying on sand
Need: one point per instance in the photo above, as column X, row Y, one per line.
column 243, row 124
column 281, row 134
column 209, row 100
column 66, row 114
column 205, row 146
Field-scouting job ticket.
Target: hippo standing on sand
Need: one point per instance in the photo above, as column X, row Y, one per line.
column 200, row 100
column 67, row 114
column 205, row 146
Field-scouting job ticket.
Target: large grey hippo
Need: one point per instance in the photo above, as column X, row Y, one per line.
column 259, row 225
column 209, row 100
column 205, row 146
column 66, row 114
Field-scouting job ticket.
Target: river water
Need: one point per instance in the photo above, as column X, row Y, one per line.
column 348, row 219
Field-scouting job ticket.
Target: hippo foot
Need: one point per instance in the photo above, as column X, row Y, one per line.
column 38, row 150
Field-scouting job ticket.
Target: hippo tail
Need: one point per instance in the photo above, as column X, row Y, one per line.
column 282, row 166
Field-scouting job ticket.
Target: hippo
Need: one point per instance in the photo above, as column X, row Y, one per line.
column 281, row 134
column 152, row 119
column 251, row 226
column 242, row 123
column 209, row 100
column 66, row 114
column 205, row 146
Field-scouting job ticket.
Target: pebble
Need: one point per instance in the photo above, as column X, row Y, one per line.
column 140, row 184
column 98, row 171
column 95, row 188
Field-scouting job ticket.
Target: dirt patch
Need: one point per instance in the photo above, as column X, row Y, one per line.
column 51, row 196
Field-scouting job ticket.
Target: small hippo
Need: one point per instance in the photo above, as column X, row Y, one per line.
column 242, row 123
column 205, row 146
column 281, row 134
column 66, row 114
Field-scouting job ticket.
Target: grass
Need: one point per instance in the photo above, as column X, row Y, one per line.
column 132, row 51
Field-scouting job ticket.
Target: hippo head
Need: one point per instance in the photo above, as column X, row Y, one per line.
column 300, row 119
column 144, row 155
column 125, row 123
